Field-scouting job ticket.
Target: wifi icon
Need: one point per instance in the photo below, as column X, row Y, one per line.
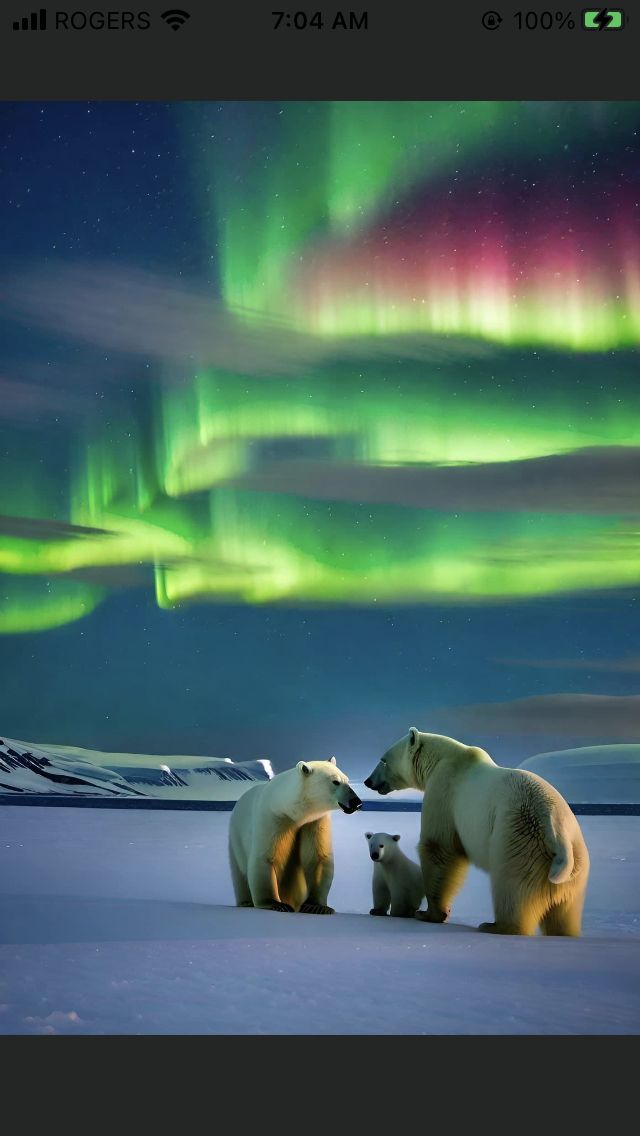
column 175, row 18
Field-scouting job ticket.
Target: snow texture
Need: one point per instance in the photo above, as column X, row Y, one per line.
column 117, row 922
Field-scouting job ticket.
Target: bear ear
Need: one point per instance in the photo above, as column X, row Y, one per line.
column 304, row 768
column 368, row 835
column 397, row 836
column 413, row 736
column 332, row 760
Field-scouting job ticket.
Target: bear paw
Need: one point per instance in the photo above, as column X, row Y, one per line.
column 431, row 916
column 317, row 909
column 277, row 907
column 499, row 929
column 378, row 911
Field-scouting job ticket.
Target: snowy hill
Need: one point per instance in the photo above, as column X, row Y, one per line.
column 606, row 774
column 48, row 769
column 30, row 769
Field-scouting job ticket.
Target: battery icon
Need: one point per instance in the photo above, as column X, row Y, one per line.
column 602, row 19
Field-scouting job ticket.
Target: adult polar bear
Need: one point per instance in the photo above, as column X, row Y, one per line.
column 280, row 848
column 509, row 822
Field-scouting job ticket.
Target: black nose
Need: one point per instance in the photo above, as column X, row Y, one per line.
column 355, row 801
column 374, row 856
column 368, row 783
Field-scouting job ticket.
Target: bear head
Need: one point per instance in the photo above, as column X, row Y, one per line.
column 395, row 770
column 381, row 844
column 327, row 787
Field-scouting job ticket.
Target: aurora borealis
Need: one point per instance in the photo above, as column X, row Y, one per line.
column 429, row 287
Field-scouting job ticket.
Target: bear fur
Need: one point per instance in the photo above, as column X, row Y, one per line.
column 397, row 880
column 508, row 822
column 280, row 847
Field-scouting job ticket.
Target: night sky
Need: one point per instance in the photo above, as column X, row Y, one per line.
column 319, row 421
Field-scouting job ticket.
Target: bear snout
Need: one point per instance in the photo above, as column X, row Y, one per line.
column 375, row 856
column 377, row 783
column 352, row 803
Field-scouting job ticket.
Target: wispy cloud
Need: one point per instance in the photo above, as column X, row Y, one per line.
column 115, row 576
column 156, row 317
column 598, row 717
column 22, row 400
column 36, row 528
column 599, row 480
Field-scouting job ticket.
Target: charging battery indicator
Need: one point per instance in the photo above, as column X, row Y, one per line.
column 602, row 19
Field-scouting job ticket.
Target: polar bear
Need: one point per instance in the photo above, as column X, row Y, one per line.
column 397, row 881
column 280, row 849
column 509, row 822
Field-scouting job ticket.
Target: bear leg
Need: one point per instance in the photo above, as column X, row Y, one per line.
column 443, row 873
column 381, row 893
column 401, row 911
column 501, row 929
column 266, row 870
column 316, row 857
column 565, row 918
column 292, row 882
column 516, row 913
column 240, row 882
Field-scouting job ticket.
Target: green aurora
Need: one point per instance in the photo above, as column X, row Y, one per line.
column 166, row 492
column 178, row 504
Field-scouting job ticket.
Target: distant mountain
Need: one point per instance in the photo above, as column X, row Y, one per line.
column 25, row 768
column 606, row 774
column 29, row 769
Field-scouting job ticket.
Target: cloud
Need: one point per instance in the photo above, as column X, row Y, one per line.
column 594, row 716
column 114, row 576
column 23, row 400
column 628, row 665
column 35, row 528
column 156, row 317
column 597, row 480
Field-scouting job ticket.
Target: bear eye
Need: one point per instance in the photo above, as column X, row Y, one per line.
column 336, row 782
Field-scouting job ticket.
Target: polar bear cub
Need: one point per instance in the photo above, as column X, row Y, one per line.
column 397, row 880
column 280, row 846
column 508, row 822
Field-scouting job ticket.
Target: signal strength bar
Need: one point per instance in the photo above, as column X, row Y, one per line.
column 36, row 22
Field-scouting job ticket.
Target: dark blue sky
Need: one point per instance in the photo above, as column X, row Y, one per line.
column 285, row 683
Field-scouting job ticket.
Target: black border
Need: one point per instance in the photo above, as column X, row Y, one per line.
column 377, row 1084
column 413, row 49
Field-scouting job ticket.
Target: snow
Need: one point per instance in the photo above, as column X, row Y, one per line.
column 121, row 922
